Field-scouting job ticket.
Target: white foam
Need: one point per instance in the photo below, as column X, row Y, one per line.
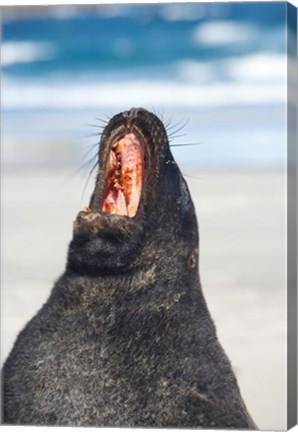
column 258, row 67
column 222, row 33
column 261, row 67
column 25, row 52
column 139, row 92
column 196, row 71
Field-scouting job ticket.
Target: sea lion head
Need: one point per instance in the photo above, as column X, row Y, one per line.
column 140, row 211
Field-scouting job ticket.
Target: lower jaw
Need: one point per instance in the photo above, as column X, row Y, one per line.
column 98, row 220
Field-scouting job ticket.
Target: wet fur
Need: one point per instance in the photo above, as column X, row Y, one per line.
column 125, row 338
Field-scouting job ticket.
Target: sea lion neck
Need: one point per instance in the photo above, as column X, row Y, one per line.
column 140, row 212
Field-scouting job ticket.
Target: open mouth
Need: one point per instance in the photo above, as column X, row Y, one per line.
column 124, row 176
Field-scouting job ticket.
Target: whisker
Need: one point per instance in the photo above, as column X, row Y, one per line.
column 108, row 117
column 90, row 149
column 92, row 135
column 82, row 167
column 193, row 177
column 185, row 144
column 158, row 111
column 172, row 126
column 88, row 178
column 185, row 122
column 161, row 113
column 167, row 124
column 96, row 126
column 100, row 126
column 173, row 137
column 154, row 109
column 90, row 160
column 104, row 121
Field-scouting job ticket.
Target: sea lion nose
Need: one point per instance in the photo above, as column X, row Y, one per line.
column 133, row 113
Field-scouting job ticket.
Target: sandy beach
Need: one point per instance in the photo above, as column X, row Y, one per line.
column 242, row 265
column 217, row 76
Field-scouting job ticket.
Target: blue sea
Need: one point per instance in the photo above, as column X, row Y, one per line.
column 216, row 71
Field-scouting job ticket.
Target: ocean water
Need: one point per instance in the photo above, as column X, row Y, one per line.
column 216, row 71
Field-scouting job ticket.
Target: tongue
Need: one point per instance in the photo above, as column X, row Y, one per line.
column 115, row 202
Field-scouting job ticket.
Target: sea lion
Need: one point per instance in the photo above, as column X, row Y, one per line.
column 126, row 338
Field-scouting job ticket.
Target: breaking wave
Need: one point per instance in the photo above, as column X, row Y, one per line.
column 25, row 52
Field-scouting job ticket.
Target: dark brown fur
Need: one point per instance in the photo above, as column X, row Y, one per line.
column 125, row 338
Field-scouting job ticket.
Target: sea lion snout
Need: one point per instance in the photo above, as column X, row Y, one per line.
column 133, row 148
column 139, row 193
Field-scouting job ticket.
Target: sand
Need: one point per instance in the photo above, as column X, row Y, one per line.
column 242, row 220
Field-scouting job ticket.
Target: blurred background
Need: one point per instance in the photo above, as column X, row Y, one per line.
column 218, row 73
